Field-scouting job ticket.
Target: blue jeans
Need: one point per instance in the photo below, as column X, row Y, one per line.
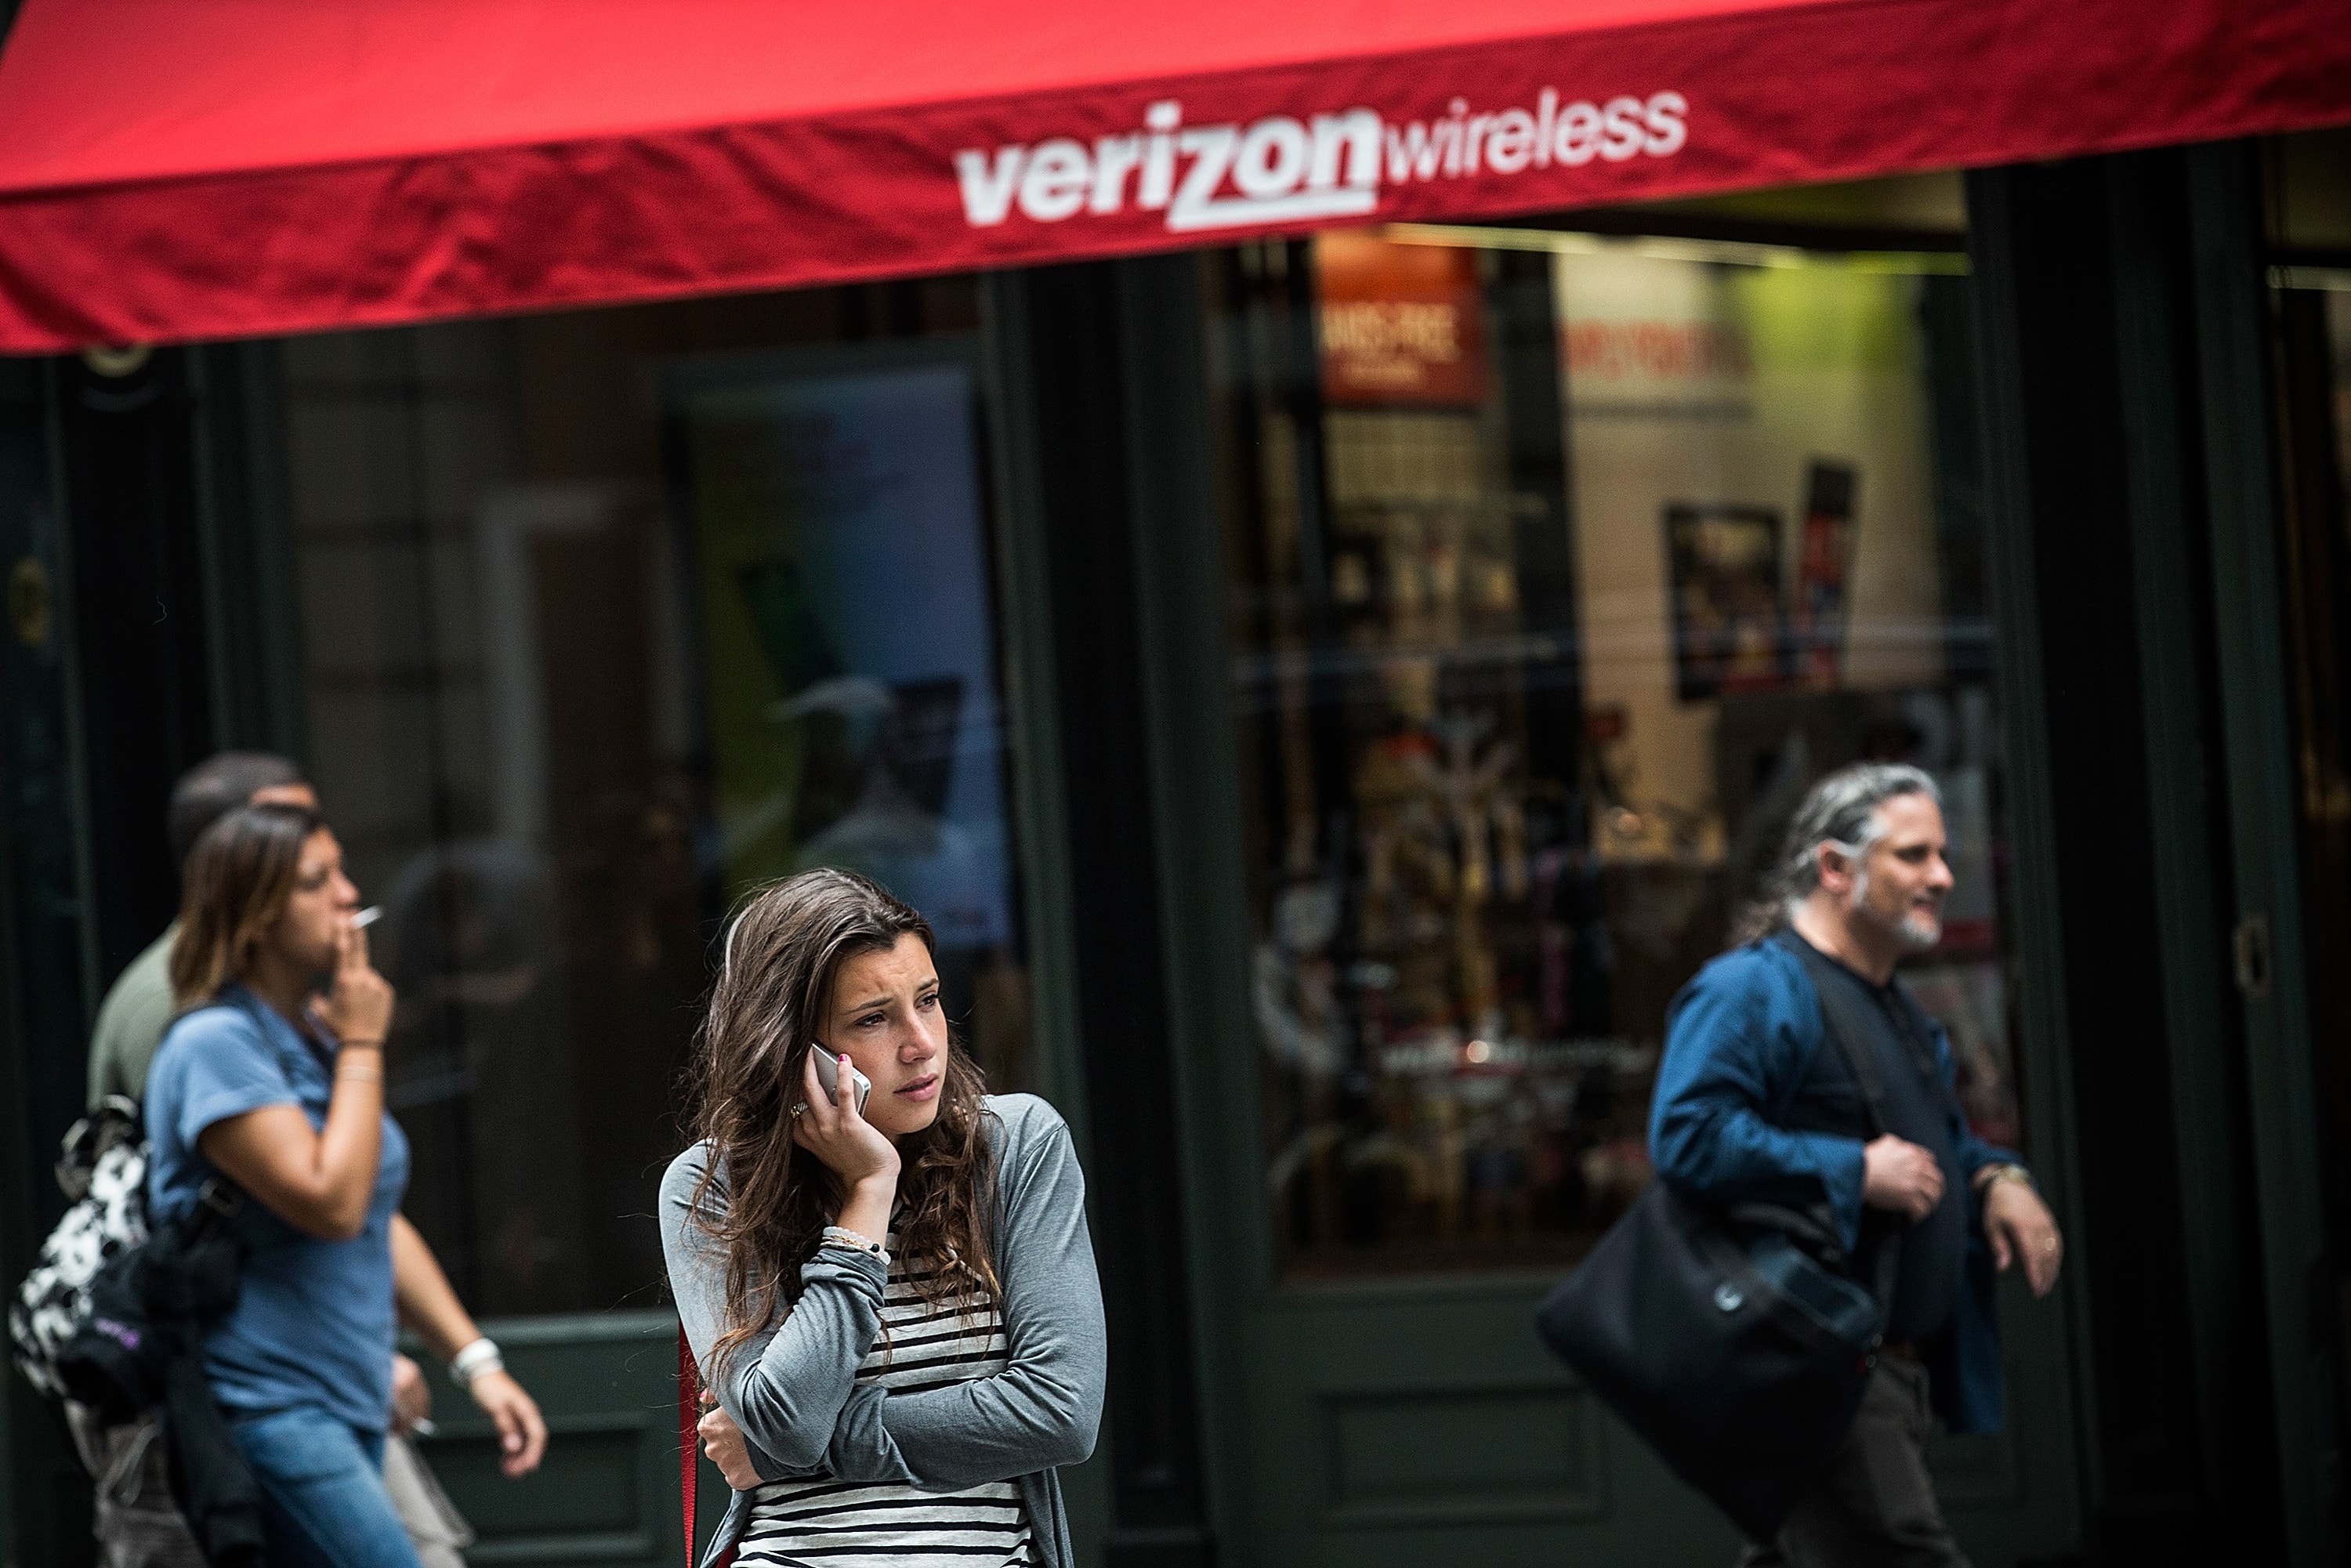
column 324, row 1505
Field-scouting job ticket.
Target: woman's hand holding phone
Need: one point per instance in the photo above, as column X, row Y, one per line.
column 828, row 1077
column 831, row 1127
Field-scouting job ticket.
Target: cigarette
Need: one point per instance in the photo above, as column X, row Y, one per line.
column 367, row 918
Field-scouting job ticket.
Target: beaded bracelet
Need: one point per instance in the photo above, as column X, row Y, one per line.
column 841, row 1235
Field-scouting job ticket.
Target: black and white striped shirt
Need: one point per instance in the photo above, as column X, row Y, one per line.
column 826, row 1523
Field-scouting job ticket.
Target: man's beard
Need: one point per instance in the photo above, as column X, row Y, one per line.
column 1917, row 930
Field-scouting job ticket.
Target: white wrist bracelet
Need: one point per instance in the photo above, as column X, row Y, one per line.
column 476, row 1359
column 855, row 1241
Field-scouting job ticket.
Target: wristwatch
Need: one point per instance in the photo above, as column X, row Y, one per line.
column 2008, row 1171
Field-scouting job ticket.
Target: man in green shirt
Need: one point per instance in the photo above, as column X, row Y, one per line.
column 138, row 1008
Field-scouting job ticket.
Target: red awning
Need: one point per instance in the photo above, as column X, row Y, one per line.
column 170, row 170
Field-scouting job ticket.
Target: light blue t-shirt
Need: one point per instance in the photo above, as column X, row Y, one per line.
column 313, row 1323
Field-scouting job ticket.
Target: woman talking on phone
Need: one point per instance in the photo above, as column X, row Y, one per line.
column 277, row 1084
column 893, row 1305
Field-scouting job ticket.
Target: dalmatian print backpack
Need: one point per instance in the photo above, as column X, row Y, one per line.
column 102, row 1167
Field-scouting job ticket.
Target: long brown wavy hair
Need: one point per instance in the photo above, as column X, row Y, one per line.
column 239, row 877
column 775, row 985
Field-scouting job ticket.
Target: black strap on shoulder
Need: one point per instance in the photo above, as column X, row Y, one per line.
column 1917, row 1027
column 1846, row 1026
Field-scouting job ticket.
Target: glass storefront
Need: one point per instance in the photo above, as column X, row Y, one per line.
column 605, row 618
column 1558, row 562
column 1560, row 565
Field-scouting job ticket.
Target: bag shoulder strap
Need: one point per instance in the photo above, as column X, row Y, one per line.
column 1917, row 1028
column 1847, row 1028
column 689, row 1441
column 1840, row 1016
column 689, row 1384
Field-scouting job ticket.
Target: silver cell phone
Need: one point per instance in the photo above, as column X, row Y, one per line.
column 828, row 1072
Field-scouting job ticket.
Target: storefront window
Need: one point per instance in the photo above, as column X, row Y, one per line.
column 606, row 618
column 1560, row 567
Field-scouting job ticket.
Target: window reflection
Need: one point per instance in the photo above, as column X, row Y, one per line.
column 837, row 522
column 560, row 728
column 1558, row 569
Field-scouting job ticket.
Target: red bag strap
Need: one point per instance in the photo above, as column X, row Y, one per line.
column 689, row 1391
column 689, row 1445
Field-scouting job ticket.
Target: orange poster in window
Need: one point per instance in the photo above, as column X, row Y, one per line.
column 1401, row 324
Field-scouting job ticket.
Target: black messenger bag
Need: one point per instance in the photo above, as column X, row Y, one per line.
column 1733, row 1341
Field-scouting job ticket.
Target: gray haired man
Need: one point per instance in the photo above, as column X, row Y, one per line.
column 1748, row 1108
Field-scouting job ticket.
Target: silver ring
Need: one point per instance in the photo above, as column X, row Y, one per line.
column 800, row 1107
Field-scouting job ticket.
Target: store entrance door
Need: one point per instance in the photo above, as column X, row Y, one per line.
column 2295, row 998
column 1551, row 572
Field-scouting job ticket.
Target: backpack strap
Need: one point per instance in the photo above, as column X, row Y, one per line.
column 219, row 1199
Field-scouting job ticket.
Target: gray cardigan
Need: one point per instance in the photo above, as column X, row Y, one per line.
column 793, row 1390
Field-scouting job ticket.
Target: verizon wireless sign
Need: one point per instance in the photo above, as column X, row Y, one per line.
column 1017, row 134
column 1287, row 169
